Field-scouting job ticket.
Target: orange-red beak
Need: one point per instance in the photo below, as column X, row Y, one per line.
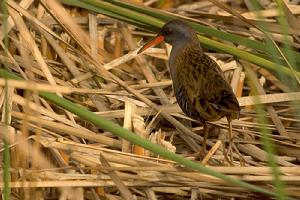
column 158, row 39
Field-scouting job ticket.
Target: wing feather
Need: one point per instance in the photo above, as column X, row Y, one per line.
column 201, row 89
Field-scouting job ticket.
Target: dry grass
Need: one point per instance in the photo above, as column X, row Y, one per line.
column 56, row 155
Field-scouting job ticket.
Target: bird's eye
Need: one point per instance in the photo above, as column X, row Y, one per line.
column 167, row 31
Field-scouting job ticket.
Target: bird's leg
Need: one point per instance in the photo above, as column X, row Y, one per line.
column 205, row 135
column 230, row 138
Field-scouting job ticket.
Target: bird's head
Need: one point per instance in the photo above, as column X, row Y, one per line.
column 173, row 32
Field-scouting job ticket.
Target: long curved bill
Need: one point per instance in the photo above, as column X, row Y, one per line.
column 158, row 39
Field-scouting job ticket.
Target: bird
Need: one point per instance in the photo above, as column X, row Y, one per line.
column 199, row 84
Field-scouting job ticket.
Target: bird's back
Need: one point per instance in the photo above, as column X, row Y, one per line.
column 200, row 86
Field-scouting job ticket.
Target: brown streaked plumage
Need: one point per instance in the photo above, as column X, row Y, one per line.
column 199, row 84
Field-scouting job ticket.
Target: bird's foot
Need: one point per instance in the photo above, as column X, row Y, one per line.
column 228, row 154
column 199, row 155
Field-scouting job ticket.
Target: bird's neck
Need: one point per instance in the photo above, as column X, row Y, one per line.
column 178, row 52
column 185, row 43
column 182, row 46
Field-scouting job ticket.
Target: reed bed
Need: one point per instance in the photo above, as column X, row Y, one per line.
column 53, row 53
